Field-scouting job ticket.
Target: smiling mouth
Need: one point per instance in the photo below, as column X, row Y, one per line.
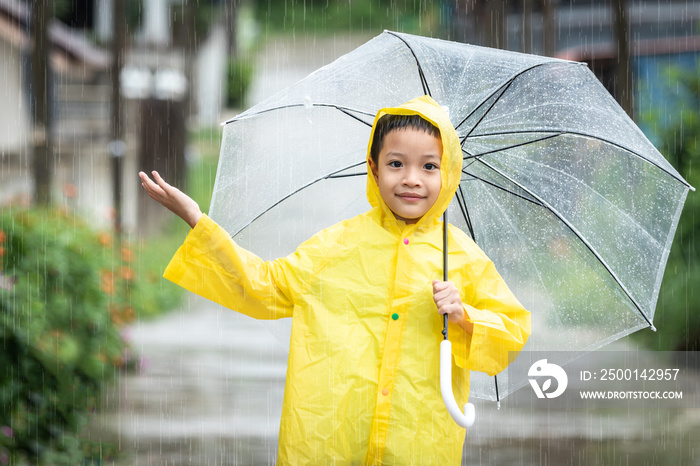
column 410, row 197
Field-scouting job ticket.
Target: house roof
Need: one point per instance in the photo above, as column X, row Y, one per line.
column 71, row 53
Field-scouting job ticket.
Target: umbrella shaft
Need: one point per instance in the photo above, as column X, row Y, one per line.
column 444, row 267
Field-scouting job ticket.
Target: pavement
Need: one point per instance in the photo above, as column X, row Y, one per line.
column 209, row 391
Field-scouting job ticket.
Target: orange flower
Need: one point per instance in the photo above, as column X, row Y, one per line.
column 2, row 251
column 107, row 279
column 129, row 314
column 117, row 319
column 127, row 255
column 2, row 236
column 127, row 273
column 104, row 238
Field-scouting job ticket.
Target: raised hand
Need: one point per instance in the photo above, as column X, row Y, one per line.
column 172, row 198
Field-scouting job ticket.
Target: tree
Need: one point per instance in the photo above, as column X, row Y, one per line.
column 623, row 69
column 42, row 12
column 678, row 310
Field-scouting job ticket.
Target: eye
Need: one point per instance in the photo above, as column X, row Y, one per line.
column 431, row 166
column 395, row 164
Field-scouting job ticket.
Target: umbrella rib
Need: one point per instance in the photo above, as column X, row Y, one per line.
column 504, row 86
column 577, row 234
column 470, row 156
column 330, row 175
column 578, row 133
column 473, row 159
column 463, row 207
column 346, row 175
column 345, row 110
column 423, row 81
column 513, row 193
column 498, row 397
column 353, row 116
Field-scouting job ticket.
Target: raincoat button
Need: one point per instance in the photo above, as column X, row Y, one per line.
column 405, row 241
column 395, row 316
column 385, row 392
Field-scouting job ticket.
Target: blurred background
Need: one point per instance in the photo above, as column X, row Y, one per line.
column 104, row 362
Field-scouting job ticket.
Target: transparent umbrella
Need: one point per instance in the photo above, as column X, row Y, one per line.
column 560, row 188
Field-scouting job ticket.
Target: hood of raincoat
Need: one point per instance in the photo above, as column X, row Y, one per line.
column 450, row 165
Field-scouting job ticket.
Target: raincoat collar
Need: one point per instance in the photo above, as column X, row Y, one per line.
column 450, row 167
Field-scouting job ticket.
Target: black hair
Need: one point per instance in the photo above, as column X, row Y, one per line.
column 389, row 123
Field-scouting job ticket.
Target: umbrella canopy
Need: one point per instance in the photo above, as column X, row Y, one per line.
column 560, row 188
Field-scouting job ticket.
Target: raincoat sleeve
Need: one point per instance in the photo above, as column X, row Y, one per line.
column 212, row 265
column 501, row 323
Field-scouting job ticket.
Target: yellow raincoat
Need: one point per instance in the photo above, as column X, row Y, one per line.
column 362, row 381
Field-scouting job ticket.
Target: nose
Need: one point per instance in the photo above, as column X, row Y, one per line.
column 411, row 177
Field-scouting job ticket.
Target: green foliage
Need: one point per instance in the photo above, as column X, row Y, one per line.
column 678, row 310
column 239, row 77
column 329, row 17
column 66, row 291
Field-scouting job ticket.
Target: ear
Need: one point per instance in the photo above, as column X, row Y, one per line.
column 373, row 167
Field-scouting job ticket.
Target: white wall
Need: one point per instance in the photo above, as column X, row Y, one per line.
column 210, row 78
column 14, row 113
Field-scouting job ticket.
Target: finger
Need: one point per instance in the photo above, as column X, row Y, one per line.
column 444, row 300
column 154, row 190
column 144, row 179
column 454, row 312
column 161, row 182
column 441, row 296
column 152, row 187
column 449, row 293
column 438, row 286
column 449, row 309
column 159, row 179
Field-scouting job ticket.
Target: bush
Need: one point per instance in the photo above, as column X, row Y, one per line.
column 65, row 290
column 323, row 17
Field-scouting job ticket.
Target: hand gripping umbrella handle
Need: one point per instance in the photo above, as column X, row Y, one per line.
column 466, row 419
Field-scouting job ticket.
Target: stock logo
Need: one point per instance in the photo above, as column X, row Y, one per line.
column 543, row 370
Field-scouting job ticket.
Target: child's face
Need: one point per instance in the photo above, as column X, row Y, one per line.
column 408, row 172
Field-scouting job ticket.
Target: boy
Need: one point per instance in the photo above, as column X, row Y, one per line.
column 362, row 382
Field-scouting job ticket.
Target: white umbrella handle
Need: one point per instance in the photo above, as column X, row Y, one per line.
column 466, row 419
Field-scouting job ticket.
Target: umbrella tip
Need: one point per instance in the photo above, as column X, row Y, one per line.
column 653, row 329
column 498, row 404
